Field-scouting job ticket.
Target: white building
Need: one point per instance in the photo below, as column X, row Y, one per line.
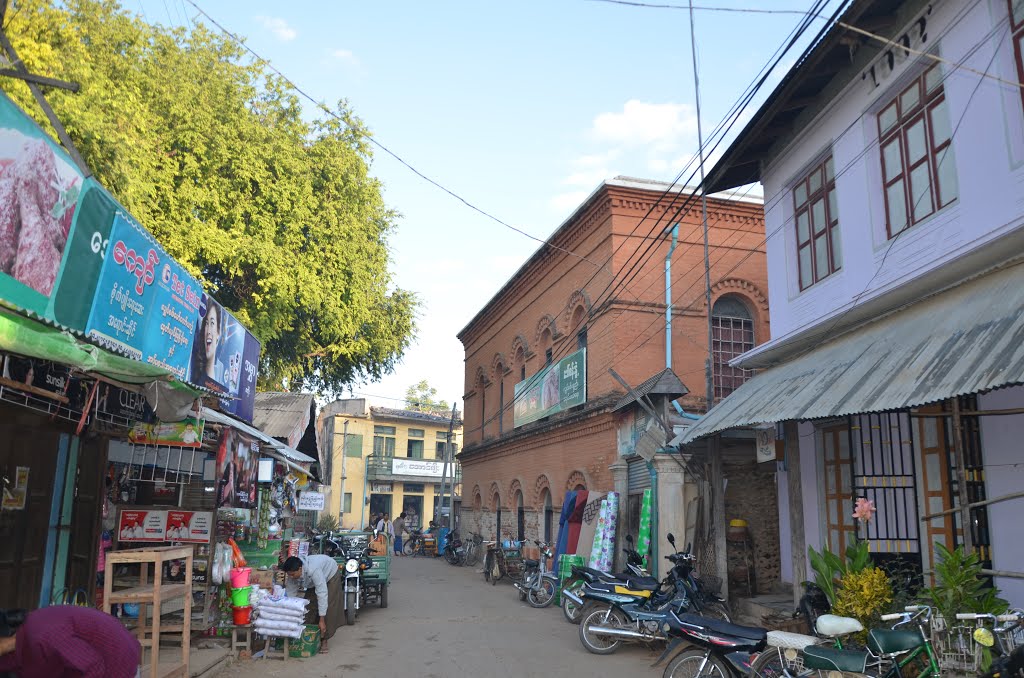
column 893, row 173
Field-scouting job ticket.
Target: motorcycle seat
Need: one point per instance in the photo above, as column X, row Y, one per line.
column 641, row 583
column 753, row 634
column 531, row 563
column 832, row 659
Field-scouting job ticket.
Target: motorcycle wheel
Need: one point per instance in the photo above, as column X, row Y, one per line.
column 409, row 548
column 451, row 556
column 571, row 610
column 350, row 608
column 687, row 665
column 595, row 616
column 543, row 594
column 772, row 663
column 522, row 586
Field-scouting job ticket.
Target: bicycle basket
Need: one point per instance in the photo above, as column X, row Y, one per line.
column 955, row 647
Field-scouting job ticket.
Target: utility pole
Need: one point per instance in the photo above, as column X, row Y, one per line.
column 704, row 215
column 446, row 457
column 344, row 453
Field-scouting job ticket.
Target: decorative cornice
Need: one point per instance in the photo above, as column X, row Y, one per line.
column 743, row 288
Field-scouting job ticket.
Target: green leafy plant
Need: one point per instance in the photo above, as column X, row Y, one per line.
column 961, row 586
column 328, row 522
column 863, row 595
column 829, row 569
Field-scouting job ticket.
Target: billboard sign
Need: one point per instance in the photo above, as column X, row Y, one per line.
column 417, row 467
column 225, row 358
column 554, row 389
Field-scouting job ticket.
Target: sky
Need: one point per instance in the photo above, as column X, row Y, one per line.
column 520, row 108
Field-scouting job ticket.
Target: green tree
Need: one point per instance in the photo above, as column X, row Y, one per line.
column 422, row 397
column 278, row 217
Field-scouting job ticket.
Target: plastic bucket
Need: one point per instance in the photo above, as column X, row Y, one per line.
column 240, row 597
column 242, row 615
column 240, row 577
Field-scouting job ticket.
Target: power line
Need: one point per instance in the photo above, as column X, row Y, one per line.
column 374, row 141
column 738, row 10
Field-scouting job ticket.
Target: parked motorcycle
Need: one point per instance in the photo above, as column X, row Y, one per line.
column 539, row 584
column 636, row 609
column 454, row 552
column 723, row 649
column 357, row 560
column 581, row 576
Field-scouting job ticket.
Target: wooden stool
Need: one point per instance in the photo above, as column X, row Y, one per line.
column 241, row 639
column 269, row 650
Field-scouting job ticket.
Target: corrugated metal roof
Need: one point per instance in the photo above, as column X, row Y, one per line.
column 964, row 340
column 282, row 415
column 665, row 382
column 284, row 450
column 414, row 415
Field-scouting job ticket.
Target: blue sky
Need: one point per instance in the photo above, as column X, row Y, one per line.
column 521, row 108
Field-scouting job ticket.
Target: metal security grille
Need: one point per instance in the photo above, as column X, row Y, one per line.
column 638, row 475
column 732, row 334
column 882, row 445
column 981, row 537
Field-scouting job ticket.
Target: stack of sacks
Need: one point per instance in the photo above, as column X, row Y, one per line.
column 280, row 616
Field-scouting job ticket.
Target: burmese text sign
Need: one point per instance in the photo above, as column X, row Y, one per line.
column 554, row 389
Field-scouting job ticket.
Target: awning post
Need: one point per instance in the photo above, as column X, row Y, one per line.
column 961, row 472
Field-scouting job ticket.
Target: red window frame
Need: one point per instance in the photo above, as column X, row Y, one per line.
column 915, row 105
column 814, row 230
column 1017, row 30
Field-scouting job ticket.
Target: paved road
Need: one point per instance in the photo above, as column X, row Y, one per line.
column 445, row 621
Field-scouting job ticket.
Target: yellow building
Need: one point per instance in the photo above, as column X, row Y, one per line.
column 386, row 460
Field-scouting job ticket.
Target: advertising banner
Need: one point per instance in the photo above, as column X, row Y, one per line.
column 146, row 306
column 189, row 526
column 554, row 389
column 40, row 377
column 39, row 190
column 113, row 401
column 147, row 526
column 417, row 467
column 225, row 357
column 238, row 458
column 185, row 433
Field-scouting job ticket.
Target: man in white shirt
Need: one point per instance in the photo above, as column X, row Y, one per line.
column 327, row 606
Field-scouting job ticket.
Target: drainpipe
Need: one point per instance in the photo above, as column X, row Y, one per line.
column 668, row 296
column 366, row 472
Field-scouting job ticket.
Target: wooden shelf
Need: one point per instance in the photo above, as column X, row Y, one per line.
column 145, row 594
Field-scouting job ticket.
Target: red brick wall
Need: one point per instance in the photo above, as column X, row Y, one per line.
column 626, row 331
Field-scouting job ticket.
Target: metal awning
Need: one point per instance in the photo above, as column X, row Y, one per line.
column 964, row 340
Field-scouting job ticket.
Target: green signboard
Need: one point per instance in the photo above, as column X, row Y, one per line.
column 556, row 388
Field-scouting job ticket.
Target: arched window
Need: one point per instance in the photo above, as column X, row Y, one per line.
column 549, row 515
column 520, row 517
column 732, row 334
column 497, row 516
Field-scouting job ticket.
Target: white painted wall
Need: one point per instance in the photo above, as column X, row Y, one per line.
column 1004, row 474
column 988, row 120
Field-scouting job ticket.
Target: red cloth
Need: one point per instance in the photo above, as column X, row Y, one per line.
column 66, row 641
column 576, row 522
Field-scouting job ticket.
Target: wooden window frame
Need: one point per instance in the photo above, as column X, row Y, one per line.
column 1017, row 36
column 921, row 112
column 830, row 231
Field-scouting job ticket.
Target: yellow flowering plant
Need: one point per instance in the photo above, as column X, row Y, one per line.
column 863, row 595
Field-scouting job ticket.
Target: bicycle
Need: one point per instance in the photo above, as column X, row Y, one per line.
column 989, row 648
column 889, row 653
column 413, row 546
column 473, row 549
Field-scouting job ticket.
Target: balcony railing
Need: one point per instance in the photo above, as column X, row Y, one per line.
column 407, row 469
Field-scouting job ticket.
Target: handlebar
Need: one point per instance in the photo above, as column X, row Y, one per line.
column 985, row 615
column 892, row 616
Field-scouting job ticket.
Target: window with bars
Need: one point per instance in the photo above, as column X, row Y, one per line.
column 918, row 162
column 1017, row 26
column 732, row 334
column 817, row 225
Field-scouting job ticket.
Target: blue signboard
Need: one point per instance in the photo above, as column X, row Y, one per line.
column 146, row 306
column 225, row 357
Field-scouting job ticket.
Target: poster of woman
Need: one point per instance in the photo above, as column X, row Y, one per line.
column 237, row 466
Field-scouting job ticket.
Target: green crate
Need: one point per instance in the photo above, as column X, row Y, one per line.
column 307, row 645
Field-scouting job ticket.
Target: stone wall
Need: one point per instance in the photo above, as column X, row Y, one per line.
column 752, row 496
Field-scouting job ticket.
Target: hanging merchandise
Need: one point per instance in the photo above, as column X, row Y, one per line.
column 604, row 538
column 644, row 538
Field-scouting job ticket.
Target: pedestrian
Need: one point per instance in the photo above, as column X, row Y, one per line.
column 326, row 599
column 385, row 527
column 65, row 641
column 399, row 531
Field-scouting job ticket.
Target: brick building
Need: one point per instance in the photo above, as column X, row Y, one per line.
column 568, row 301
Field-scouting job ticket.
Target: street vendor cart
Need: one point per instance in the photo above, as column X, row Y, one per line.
column 503, row 559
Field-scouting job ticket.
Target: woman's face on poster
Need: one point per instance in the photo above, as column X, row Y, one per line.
column 211, row 337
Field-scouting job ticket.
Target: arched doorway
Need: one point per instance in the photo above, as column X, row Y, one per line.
column 520, row 517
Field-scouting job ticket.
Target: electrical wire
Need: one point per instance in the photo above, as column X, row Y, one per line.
column 737, row 10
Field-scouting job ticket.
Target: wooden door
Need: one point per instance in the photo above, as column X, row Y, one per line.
column 935, row 481
column 85, row 520
column 838, row 466
column 26, row 440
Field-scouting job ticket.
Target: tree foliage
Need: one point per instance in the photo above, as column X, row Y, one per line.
column 422, row 397
column 277, row 216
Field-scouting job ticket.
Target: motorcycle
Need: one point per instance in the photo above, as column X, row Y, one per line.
column 357, row 561
column 723, row 649
column 634, row 610
column 539, row 584
column 454, row 552
column 572, row 602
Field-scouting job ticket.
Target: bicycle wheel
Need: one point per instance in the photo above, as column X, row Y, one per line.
column 688, row 665
column 773, row 663
column 409, row 548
